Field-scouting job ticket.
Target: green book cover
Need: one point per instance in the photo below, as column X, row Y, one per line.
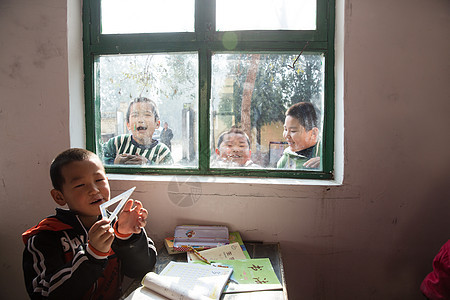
column 251, row 271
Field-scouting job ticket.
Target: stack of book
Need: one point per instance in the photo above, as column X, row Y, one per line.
column 215, row 265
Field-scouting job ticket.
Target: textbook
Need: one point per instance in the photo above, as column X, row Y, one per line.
column 233, row 238
column 251, row 275
column 231, row 251
column 183, row 281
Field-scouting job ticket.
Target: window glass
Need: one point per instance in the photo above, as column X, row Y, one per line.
column 258, row 103
column 265, row 15
column 251, row 93
column 124, row 83
column 143, row 16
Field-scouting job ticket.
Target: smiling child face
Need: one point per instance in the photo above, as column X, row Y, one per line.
column 85, row 187
column 234, row 148
column 142, row 122
column 297, row 136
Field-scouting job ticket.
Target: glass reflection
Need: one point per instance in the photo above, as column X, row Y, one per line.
column 138, row 94
column 252, row 92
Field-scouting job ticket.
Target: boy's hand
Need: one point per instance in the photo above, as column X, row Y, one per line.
column 131, row 219
column 136, row 160
column 121, row 159
column 101, row 236
column 129, row 159
column 312, row 163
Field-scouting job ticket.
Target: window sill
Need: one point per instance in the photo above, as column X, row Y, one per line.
column 220, row 179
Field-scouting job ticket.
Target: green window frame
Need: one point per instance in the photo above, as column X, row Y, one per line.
column 206, row 41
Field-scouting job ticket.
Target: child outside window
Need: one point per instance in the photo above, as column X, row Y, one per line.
column 75, row 254
column 301, row 131
column 138, row 148
column 233, row 150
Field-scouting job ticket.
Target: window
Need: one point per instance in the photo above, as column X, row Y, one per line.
column 203, row 86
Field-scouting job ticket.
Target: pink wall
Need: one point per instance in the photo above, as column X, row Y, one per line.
column 371, row 238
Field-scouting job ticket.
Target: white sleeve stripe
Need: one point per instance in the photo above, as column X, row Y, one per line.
column 35, row 253
column 38, row 261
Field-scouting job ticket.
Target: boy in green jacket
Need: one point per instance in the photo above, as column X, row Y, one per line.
column 301, row 131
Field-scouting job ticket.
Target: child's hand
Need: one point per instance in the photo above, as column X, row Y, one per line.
column 312, row 163
column 101, row 236
column 122, row 159
column 131, row 219
column 136, row 160
column 130, row 159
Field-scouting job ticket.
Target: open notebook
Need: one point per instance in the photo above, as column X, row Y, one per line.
column 181, row 281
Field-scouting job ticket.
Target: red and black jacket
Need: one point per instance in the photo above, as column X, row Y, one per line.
column 58, row 264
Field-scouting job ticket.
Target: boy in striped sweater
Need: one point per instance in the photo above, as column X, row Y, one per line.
column 138, row 148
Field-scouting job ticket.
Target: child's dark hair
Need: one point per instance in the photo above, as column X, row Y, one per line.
column 233, row 130
column 305, row 113
column 64, row 158
column 144, row 100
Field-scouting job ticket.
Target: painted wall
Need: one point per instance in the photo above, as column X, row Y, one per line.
column 374, row 237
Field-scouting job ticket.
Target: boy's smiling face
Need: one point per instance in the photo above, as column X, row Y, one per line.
column 85, row 188
column 234, row 148
column 142, row 123
column 297, row 136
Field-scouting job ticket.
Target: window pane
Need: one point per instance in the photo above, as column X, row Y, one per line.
column 144, row 16
column 252, row 93
column 265, row 15
column 171, row 82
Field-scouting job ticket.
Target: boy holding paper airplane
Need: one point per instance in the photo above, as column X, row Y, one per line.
column 76, row 253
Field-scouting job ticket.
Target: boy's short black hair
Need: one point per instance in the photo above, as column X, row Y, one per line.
column 64, row 158
column 146, row 100
column 305, row 113
column 233, row 130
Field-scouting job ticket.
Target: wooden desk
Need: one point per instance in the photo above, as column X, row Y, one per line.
column 255, row 250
